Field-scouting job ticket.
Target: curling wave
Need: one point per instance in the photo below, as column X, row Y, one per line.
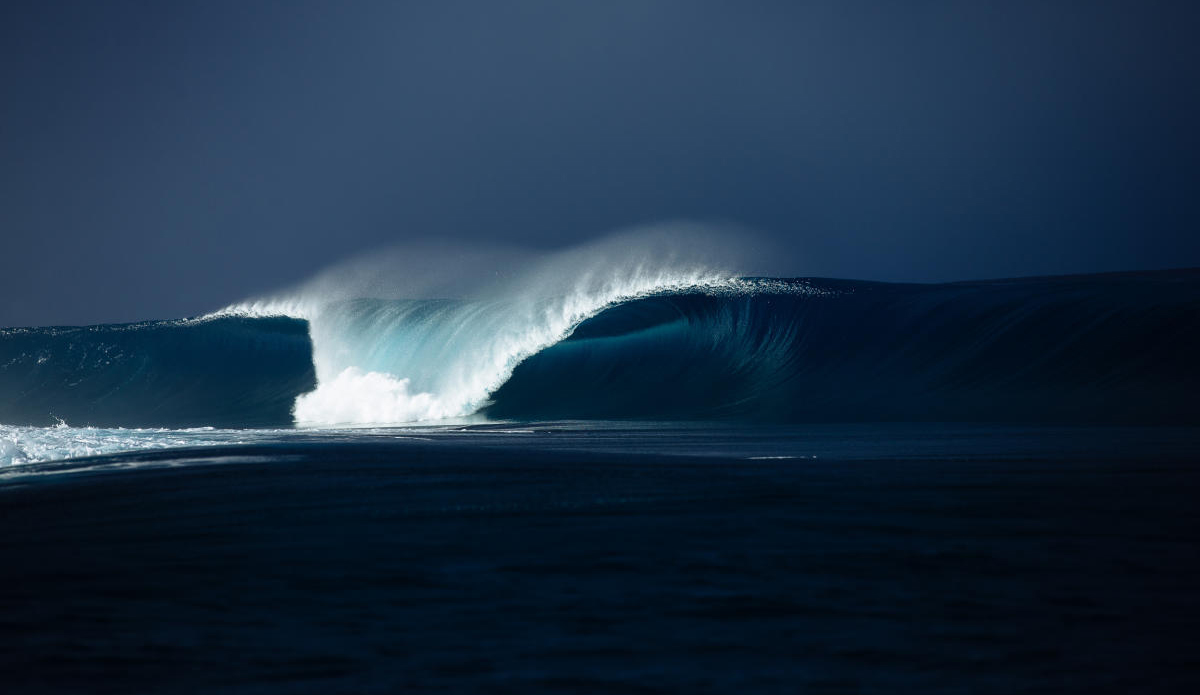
column 1097, row 349
column 419, row 356
column 646, row 345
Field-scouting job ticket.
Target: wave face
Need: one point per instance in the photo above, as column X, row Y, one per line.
column 645, row 345
column 223, row 372
column 1108, row 348
column 397, row 361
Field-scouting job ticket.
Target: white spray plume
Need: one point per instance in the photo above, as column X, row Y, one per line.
column 460, row 319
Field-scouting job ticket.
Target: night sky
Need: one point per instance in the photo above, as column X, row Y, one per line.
column 161, row 159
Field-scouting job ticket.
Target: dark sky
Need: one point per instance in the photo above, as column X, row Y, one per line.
column 161, row 159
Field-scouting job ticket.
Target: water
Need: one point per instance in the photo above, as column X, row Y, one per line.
column 601, row 473
column 612, row 557
column 1083, row 350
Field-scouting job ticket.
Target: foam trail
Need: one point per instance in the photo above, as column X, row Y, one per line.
column 20, row 445
column 408, row 357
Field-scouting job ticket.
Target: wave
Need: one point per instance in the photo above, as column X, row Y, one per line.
column 1096, row 349
column 641, row 343
column 422, row 356
column 223, row 372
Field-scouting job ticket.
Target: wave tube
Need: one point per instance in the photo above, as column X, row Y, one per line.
column 391, row 361
column 1083, row 349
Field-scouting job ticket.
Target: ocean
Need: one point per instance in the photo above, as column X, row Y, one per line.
column 678, row 483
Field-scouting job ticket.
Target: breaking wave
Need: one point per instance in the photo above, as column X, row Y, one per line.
column 607, row 334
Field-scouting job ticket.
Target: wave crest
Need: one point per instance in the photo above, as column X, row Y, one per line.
column 430, row 348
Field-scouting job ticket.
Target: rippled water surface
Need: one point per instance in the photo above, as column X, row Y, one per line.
column 609, row 557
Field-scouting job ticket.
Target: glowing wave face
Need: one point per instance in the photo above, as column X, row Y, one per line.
column 391, row 361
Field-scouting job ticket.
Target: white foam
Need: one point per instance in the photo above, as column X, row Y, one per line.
column 358, row 397
column 38, row 444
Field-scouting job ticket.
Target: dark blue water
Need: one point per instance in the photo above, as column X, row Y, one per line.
column 1111, row 349
column 229, row 372
column 1086, row 349
column 610, row 557
column 807, row 486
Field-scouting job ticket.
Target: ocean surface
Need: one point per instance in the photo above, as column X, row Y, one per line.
column 648, row 482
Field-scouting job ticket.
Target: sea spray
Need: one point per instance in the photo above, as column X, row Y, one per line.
column 403, row 356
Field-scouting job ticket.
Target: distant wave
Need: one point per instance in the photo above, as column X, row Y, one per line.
column 1106, row 348
column 225, row 372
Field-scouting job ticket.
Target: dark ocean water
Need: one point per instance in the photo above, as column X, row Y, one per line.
column 612, row 557
column 635, row 485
